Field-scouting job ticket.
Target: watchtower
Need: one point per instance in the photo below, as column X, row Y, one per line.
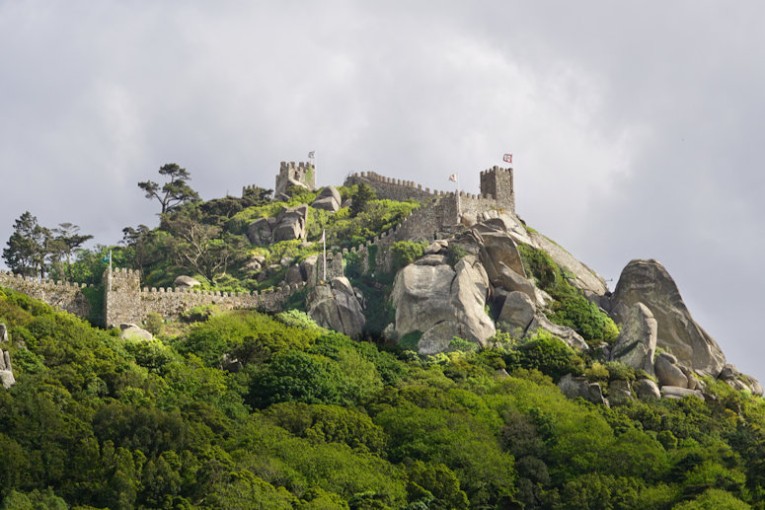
column 290, row 174
column 498, row 183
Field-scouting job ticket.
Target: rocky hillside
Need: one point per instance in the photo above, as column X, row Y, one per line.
column 452, row 358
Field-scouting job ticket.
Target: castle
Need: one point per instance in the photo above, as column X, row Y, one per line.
column 442, row 214
column 302, row 175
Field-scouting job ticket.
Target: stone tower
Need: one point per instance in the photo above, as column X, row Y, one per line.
column 498, row 183
column 301, row 174
column 122, row 298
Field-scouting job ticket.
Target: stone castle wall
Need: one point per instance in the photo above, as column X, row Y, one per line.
column 440, row 215
column 66, row 296
column 126, row 302
column 290, row 172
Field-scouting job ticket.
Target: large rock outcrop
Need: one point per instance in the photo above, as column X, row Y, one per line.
column 438, row 302
column 328, row 199
column 291, row 224
column 336, row 306
column 636, row 344
column 648, row 282
column 587, row 280
column 6, row 370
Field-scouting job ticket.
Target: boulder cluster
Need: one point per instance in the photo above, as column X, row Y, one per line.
column 467, row 285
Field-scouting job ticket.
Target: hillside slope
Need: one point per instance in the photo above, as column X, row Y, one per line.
column 247, row 411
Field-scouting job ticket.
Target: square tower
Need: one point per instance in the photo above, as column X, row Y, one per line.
column 498, row 183
column 302, row 175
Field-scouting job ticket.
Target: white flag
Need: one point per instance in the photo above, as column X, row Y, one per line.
column 453, row 177
column 311, row 154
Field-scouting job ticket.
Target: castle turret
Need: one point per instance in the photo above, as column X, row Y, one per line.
column 122, row 303
column 498, row 183
column 302, row 175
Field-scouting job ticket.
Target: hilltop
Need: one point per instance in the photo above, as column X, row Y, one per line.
column 447, row 355
column 422, row 269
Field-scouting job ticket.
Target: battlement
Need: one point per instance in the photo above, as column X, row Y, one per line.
column 498, row 183
column 299, row 174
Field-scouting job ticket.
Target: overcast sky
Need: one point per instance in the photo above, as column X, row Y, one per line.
column 634, row 129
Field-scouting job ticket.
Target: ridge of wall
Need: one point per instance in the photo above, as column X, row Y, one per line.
column 64, row 295
column 126, row 302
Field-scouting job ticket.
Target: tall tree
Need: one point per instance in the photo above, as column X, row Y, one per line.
column 66, row 239
column 175, row 192
column 27, row 246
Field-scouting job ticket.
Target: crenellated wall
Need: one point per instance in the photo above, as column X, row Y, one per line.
column 66, row 296
column 441, row 214
column 127, row 303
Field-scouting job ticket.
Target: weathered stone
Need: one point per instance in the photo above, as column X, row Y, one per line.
column 134, row 332
column 326, row 204
column 291, row 224
column 440, row 303
column 584, row 278
column 677, row 392
column 646, row 390
column 636, row 344
column 436, row 247
column 6, row 370
column 573, row 387
column 508, row 222
column 293, row 275
column 497, row 250
column 300, row 175
column 728, row 372
column 508, row 279
column 518, row 311
column 739, row 381
column 648, row 282
column 668, row 373
column 259, row 232
column 336, row 307
column 693, row 383
column 431, row 260
column 186, row 282
column 619, row 392
column 3, row 333
column 328, row 199
column 566, row 334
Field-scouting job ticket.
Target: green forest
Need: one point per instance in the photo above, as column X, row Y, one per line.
column 243, row 410
column 248, row 411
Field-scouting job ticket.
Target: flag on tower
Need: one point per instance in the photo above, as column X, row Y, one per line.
column 508, row 158
column 311, row 154
column 453, row 177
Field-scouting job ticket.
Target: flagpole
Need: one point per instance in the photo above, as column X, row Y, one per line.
column 324, row 240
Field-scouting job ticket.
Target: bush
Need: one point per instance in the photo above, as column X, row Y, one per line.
column 405, row 252
column 550, row 355
column 571, row 308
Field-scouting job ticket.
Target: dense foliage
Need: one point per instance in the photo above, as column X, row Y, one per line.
column 570, row 308
column 250, row 411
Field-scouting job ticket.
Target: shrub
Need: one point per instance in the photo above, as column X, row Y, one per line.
column 550, row 355
column 405, row 252
column 571, row 308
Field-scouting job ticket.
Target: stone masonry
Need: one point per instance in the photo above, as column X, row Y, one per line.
column 440, row 215
column 127, row 303
column 300, row 174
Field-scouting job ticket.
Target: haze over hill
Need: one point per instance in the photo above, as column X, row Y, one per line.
column 633, row 128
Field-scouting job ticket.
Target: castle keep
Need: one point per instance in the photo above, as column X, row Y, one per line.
column 441, row 214
column 302, row 175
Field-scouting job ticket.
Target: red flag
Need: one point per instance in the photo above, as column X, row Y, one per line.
column 508, row 158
